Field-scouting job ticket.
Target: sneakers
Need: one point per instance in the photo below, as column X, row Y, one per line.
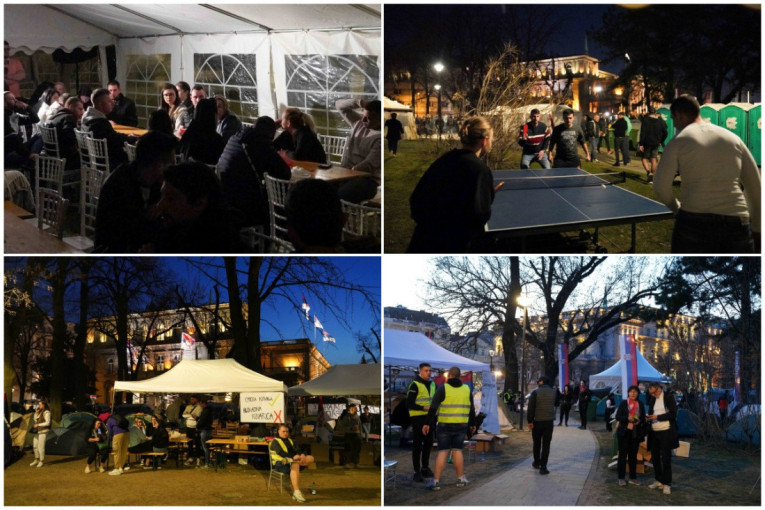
column 126, row 467
column 298, row 496
column 199, row 461
column 433, row 485
column 667, row 490
column 101, row 469
column 622, row 483
column 40, row 464
column 656, row 485
column 543, row 471
column 189, row 461
column 34, row 463
column 115, row 471
column 462, row 481
column 418, row 477
column 204, row 466
column 634, row 482
column 426, row 472
column 87, row 469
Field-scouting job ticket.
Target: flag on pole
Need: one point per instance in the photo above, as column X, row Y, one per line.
column 327, row 336
column 187, row 341
column 629, row 365
column 316, row 323
column 562, row 365
column 306, row 308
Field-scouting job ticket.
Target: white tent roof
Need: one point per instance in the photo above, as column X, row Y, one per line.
column 342, row 380
column 406, row 348
column 390, row 104
column 613, row 375
column 31, row 27
column 204, row 376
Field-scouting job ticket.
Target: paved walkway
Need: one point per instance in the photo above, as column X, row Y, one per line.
column 572, row 453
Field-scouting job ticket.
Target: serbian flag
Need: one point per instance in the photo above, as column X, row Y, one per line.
column 629, row 364
column 316, row 323
column 562, row 366
column 327, row 336
column 187, row 341
column 305, row 308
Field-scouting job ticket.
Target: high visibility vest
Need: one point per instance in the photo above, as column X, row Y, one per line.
column 275, row 457
column 456, row 405
column 424, row 397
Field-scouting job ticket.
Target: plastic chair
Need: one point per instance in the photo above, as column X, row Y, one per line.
column 82, row 144
column 256, row 241
column 334, row 146
column 130, row 151
column 98, row 152
column 275, row 474
column 92, row 180
column 361, row 221
column 277, row 201
column 50, row 141
column 51, row 212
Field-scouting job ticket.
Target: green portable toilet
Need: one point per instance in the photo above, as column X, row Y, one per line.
column 710, row 112
column 733, row 117
column 754, row 141
column 665, row 114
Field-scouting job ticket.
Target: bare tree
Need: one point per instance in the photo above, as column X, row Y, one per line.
column 369, row 344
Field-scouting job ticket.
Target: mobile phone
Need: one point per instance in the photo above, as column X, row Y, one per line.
column 324, row 166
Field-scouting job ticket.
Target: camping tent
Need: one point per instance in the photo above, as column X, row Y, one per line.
column 342, row 380
column 409, row 349
column 612, row 377
column 204, row 376
column 259, row 56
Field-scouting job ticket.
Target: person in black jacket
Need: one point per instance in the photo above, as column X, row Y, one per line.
column 662, row 437
column 298, row 140
column 419, row 397
column 124, row 111
column 240, row 182
column 541, row 416
column 96, row 122
column 631, row 416
column 585, row 395
column 621, row 141
column 452, row 202
column 66, row 120
column 204, row 429
column 17, row 115
column 653, row 132
column 201, row 142
column 566, row 400
column 394, row 133
column 534, row 137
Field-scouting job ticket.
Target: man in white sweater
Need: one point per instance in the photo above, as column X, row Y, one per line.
column 714, row 214
column 363, row 148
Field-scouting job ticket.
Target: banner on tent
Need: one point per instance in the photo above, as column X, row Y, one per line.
column 262, row 407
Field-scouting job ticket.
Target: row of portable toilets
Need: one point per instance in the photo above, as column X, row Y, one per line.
column 742, row 119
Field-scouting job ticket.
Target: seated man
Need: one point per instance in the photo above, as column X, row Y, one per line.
column 66, row 120
column 194, row 219
column 286, row 458
column 315, row 217
column 127, row 217
column 124, row 111
column 96, row 123
column 197, row 94
column 18, row 115
column 363, row 148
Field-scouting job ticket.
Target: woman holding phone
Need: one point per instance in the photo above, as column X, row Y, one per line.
column 631, row 418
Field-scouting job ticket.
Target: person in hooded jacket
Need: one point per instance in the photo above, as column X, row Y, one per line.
column 66, row 120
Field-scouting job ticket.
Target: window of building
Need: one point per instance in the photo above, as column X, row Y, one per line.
column 110, row 366
column 146, row 75
column 160, row 362
column 231, row 76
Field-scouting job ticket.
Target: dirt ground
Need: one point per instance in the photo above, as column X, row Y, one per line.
column 62, row 481
column 516, row 448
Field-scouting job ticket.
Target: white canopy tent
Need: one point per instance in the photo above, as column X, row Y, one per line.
column 204, row 376
column 409, row 349
column 265, row 55
column 612, row 377
column 342, row 380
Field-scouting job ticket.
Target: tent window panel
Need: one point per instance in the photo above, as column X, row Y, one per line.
column 296, row 99
column 146, row 74
column 231, row 76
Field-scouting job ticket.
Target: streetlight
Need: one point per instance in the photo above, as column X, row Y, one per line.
column 438, row 66
column 523, row 302
column 491, row 359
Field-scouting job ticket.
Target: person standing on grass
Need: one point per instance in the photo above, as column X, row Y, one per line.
column 394, row 133
column 541, row 416
column 564, row 140
column 534, row 137
column 40, row 427
column 630, row 416
column 653, row 132
column 662, row 438
column 454, row 405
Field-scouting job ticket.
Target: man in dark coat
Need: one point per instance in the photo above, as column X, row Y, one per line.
column 394, row 134
column 124, row 111
column 541, row 416
column 96, row 122
column 66, row 120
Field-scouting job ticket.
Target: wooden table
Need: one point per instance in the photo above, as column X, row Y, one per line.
column 23, row 237
column 19, row 212
column 183, row 446
column 129, row 130
column 229, row 442
column 334, row 174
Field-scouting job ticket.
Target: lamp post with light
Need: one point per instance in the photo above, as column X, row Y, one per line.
column 438, row 66
column 523, row 302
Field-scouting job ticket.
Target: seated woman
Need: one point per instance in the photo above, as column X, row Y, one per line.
column 97, row 443
column 285, row 458
column 228, row 123
column 160, row 439
column 201, row 142
column 178, row 113
column 298, row 140
column 138, row 442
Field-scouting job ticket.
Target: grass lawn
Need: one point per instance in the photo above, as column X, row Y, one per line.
column 713, row 475
column 414, row 156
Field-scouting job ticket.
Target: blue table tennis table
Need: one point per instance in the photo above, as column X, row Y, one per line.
column 541, row 201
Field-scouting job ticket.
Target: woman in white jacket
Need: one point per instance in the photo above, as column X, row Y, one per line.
column 41, row 427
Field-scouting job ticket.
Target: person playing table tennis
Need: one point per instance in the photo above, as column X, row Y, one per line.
column 452, row 202
column 564, row 139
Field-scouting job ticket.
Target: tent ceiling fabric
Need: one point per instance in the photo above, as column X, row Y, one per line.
column 39, row 26
column 409, row 349
column 342, row 380
column 204, row 376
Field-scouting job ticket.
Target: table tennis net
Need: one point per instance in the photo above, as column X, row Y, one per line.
column 560, row 181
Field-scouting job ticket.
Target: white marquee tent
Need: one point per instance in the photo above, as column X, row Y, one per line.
column 342, row 380
column 265, row 55
column 612, row 377
column 204, row 376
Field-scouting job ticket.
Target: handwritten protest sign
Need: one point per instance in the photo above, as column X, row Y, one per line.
column 265, row 407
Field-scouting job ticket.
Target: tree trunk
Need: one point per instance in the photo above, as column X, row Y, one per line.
column 58, row 344
column 81, row 383
column 509, row 330
column 254, row 303
column 238, row 325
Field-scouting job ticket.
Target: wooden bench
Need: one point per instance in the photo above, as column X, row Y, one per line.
column 155, row 461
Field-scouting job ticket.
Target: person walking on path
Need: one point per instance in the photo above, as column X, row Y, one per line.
column 541, row 416
column 631, row 419
column 585, row 395
column 653, row 132
column 419, row 398
column 566, row 400
column 662, row 438
column 454, row 405
column 394, row 134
